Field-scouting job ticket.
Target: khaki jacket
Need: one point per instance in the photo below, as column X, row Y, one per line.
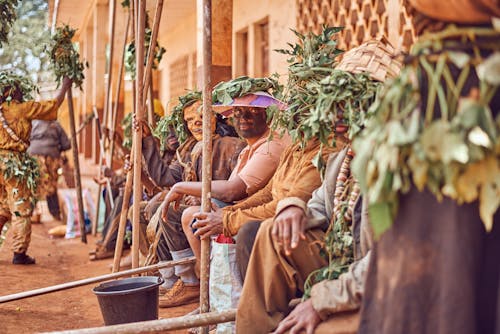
column 18, row 116
column 296, row 176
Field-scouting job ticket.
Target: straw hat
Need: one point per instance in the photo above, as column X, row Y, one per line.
column 378, row 58
column 256, row 100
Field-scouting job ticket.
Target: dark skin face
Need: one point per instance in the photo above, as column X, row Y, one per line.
column 250, row 122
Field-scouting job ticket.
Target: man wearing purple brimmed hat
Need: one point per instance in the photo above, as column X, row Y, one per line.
column 256, row 164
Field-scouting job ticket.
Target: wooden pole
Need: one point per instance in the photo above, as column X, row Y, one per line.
column 137, row 135
column 162, row 325
column 112, row 15
column 90, row 280
column 123, row 219
column 114, row 114
column 207, row 153
column 151, row 50
column 78, row 180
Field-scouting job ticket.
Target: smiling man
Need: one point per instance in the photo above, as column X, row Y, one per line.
column 256, row 164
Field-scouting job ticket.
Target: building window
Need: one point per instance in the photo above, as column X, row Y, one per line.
column 261, row 29
column 242, row 53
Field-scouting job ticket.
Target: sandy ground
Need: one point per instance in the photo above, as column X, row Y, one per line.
column 58, row 261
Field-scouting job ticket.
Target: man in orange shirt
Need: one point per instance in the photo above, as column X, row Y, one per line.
column 17, row 110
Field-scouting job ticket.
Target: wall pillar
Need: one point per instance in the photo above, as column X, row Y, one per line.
column 86, row 136
column 100, row 21
column 222, row 30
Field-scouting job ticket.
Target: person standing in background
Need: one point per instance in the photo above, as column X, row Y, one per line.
column 47, row 141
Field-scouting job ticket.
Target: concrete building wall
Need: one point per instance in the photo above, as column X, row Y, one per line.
column 281, row 16
column 179, row 43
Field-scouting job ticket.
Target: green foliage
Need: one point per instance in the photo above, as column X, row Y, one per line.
column 126, row 124
column 25, row 54
column 65, row 58
column 10, row 81
column 7, row 17
column 130, row 55
column 176, row 119
column 225, row 92
column 453, row 152
column 23, row 168
column 311, row 60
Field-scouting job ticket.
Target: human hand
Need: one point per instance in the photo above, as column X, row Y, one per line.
column 192, row 200
column 208, row 223
column 172, row 196
column 146, row 131
column 303, row 317
column 288, row 228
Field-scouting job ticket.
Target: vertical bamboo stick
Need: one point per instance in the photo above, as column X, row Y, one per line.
column 207, row 152
column 152, row 44
column 139, row 115
column 78, row 181
column 123, row 219
column 114, row 114
column 112, row 16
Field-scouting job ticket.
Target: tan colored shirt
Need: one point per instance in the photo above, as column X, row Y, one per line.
column 258, row 162
column 295, row 176
column 18, row 116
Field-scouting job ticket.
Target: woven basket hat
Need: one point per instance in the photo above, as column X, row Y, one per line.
column 377, row 58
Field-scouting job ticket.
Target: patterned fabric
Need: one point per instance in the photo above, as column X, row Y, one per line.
column 47, row 184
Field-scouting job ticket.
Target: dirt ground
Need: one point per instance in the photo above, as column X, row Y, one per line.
column 58, row 261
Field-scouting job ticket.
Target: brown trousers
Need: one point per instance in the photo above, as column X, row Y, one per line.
column 273, row 279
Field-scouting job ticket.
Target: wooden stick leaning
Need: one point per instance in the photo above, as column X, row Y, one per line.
column 137, row 134
column 78, row 180
column 123, row 218
column 128, row 183
column 112, row 16
column 151, row 50
column 107, row 99
column 207, row 154
column 114, row 113
column 86, row 281
column 162, row 325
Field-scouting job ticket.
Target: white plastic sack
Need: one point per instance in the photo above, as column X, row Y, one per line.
column 225, row 282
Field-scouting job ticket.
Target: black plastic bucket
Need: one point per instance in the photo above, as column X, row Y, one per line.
column 129, row 300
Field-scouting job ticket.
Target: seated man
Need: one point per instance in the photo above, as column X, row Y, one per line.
column 256, row 164
column 187, row 121
column 288, row 259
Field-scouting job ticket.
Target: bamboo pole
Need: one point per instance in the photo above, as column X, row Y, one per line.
column 137, row 135
column 106, row 112
column 151, row 50
column 78, row 180
column 114, row 114
column 90, row 280
column 101, row 146
column 107, row 99
column 162, row 325
column 123, row 219
column 207, row 153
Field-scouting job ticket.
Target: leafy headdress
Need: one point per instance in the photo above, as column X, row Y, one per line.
column 10, row 83
column 311, row 60
column 176, row 119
